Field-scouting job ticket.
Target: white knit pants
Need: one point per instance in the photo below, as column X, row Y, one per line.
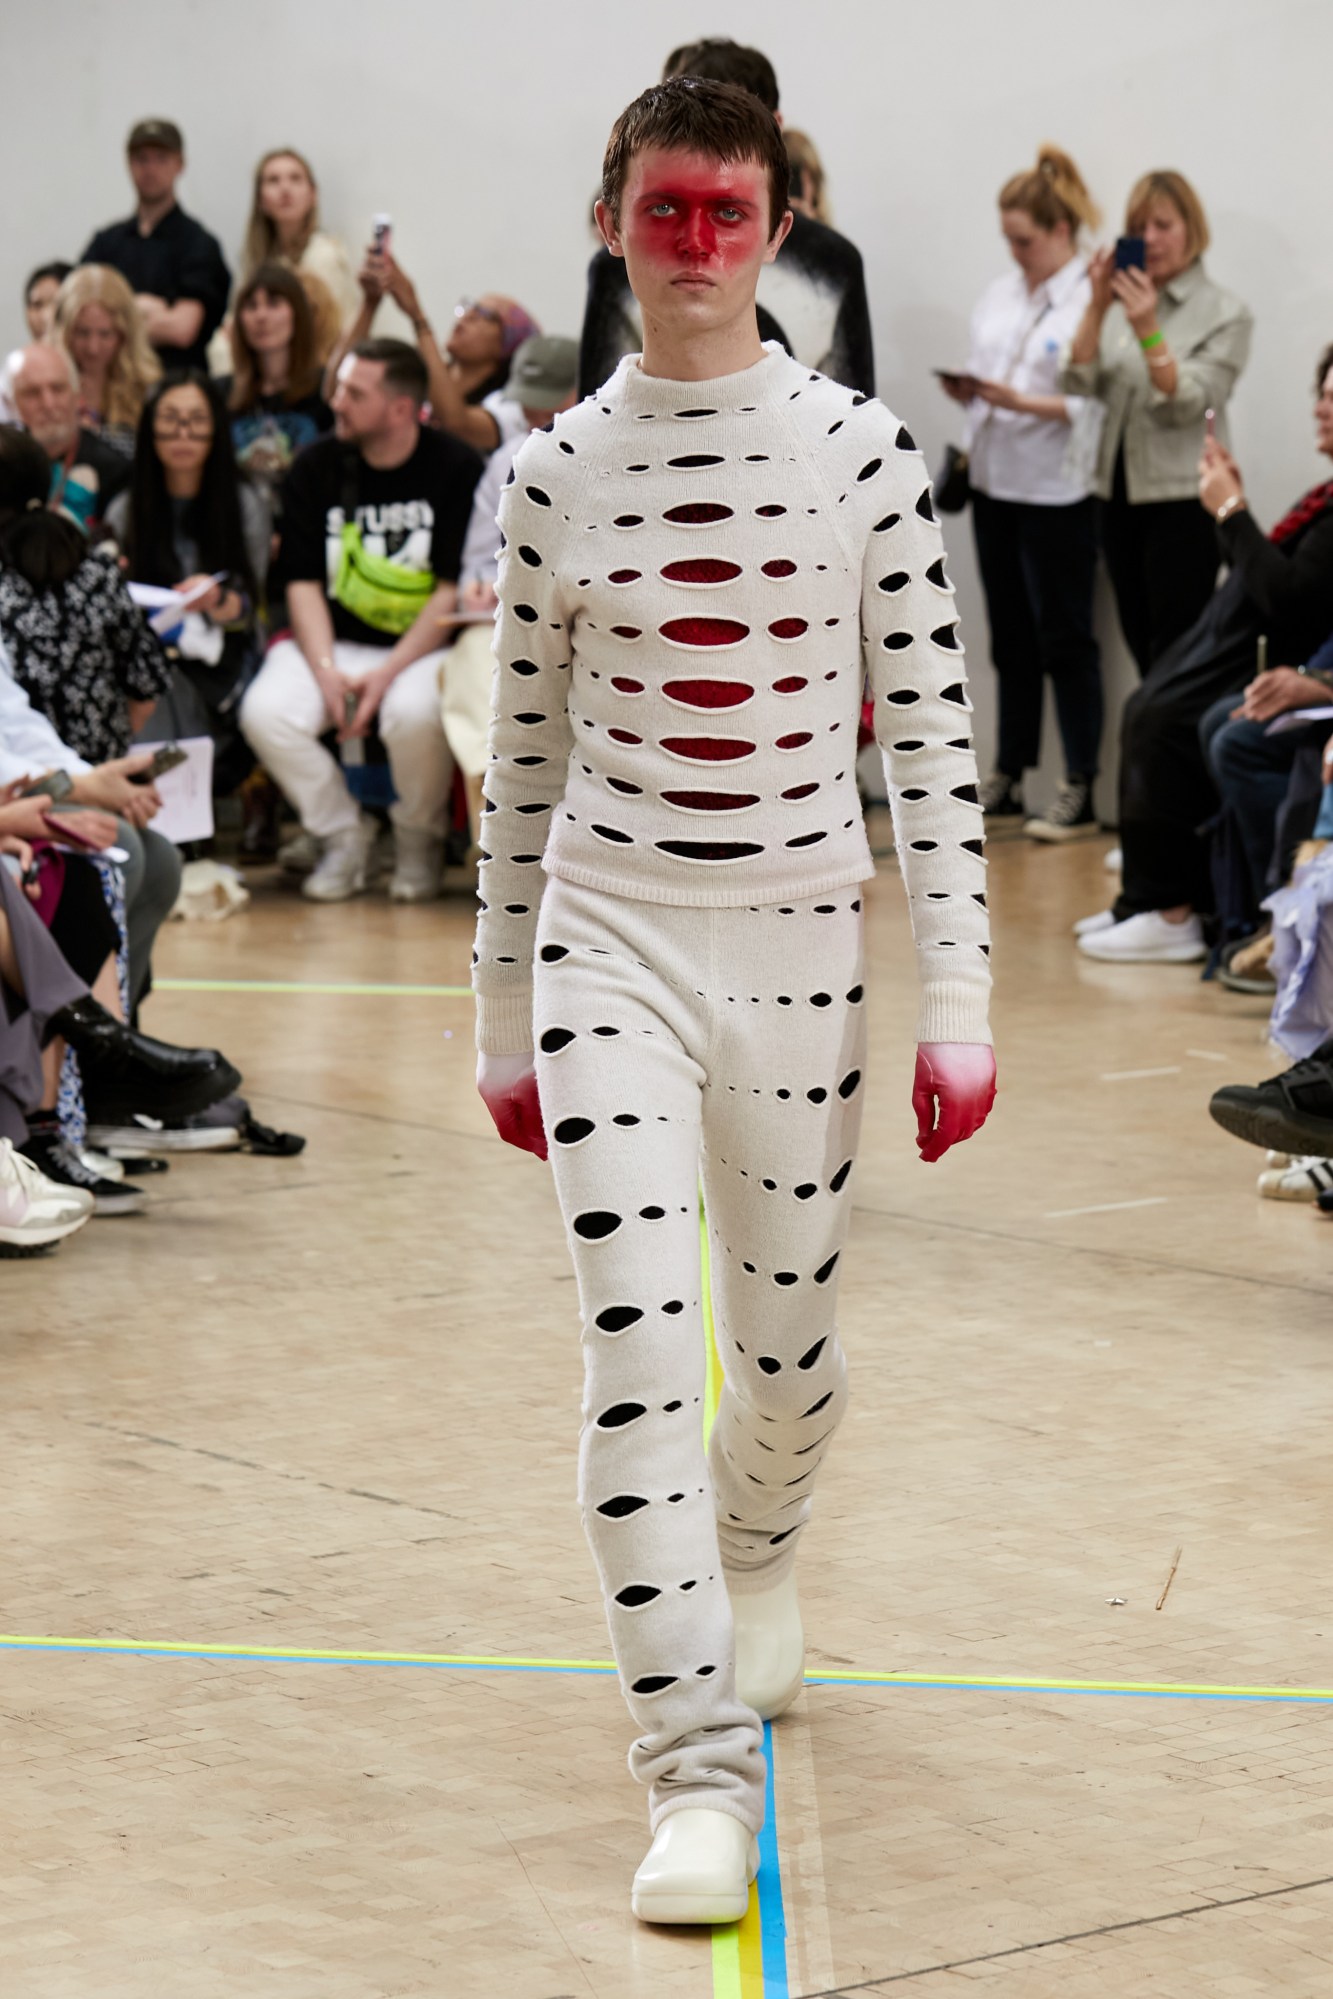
column 283, row 717
column 673, row 1042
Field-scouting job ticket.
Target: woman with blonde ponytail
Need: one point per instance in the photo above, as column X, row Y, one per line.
column 1031, row 453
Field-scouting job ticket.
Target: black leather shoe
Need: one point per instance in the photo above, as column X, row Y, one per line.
column 1289, row 1113
column 124, row 1071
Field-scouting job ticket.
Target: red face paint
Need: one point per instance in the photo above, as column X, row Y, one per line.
column 696, row 221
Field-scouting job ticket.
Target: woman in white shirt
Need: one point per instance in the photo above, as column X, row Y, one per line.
column 1031, row 454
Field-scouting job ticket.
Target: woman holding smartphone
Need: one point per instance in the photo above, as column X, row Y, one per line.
column 1161, row 346
column 1030, row 456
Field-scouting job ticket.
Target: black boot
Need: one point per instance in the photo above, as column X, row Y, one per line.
column 124, row 1071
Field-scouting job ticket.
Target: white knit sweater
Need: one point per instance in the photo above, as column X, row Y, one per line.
column 697, row 579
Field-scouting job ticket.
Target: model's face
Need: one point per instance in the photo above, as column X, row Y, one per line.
column 155, row 172
column 694, row 236
column 1323, row 416
column 45, row 400
column 183, row 429
column 1039, row 253
column 479, row 331
column 266, row 322
column 39, row 306
column 1166, row 239
column 361, row 407
column 94, row 341
column 286, row 191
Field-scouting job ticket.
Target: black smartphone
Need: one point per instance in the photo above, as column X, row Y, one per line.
column 1131, row 253
column 167, row 757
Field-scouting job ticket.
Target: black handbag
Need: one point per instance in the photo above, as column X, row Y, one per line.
column 953, row 488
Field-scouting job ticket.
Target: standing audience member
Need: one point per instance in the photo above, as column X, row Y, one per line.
column 812, row 298
column 187, row 518
column 39, row 304
column 86, row 474
column 1160, row 346
column 100, row 327
column 373, row 523
column 808, row 193
column 466, row 384
column 274, row 396
column 1032, row 510
column 284, row 228
column 542, row 380
column 75, row 641
column 1279, row 587
column 175, row 268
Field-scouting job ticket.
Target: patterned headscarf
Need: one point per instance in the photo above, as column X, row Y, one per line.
column 517, row 327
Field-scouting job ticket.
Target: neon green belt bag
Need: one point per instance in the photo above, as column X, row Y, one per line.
column 381, row 593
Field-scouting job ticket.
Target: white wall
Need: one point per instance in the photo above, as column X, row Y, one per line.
column 481, row 131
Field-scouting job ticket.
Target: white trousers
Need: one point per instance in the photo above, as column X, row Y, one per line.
column 283, row 717
column 465, row 696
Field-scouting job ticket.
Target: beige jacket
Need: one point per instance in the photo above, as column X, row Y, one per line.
column 1208, row 331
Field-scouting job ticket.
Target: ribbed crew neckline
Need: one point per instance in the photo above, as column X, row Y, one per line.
column 663, row 395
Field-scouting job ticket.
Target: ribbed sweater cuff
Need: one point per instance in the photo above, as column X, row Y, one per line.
column 953, row 1010
column 504, row 1022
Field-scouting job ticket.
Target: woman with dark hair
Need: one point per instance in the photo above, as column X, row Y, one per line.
column 75, row 642
column 189, row 518
column 273, row 396
column 1273, row 611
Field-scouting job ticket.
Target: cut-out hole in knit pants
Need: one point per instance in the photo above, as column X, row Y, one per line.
column 674, row 1042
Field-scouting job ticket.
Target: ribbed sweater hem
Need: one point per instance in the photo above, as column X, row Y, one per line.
column 504, row 1022
column 953, row 1010
column 713, row 894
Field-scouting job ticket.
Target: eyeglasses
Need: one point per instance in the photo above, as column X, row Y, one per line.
column 468, row 307
column 182, row 426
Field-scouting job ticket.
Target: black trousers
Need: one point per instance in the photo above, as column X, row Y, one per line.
column 1162, row 557
column 1166, row 788
column 1037, row 567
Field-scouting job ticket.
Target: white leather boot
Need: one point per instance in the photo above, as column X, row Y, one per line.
column 697, row 1870
column 770, row 1647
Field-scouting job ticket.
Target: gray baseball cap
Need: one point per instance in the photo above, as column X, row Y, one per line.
column 543, row 371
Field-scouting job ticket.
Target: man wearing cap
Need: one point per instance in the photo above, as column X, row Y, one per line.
column 173, row 265
column 542, row 379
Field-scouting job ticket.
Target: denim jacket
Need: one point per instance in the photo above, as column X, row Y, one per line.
column 1208, row 331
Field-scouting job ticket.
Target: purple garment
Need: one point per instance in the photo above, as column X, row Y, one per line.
column 1303, row 958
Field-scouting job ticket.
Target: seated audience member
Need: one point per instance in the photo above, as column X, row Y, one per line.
column 58, row 962
column 373, row 522
column 809, row 190
column 76, row 643
column 542, row 380
column 812, row 298
column 187, row 518
column 100, row 327
column 1253, row 770
column 1160, row 347
column 86, row 474
column 273, row 397
column 175, row 269
column 39, row 304
column 1278, row 588
column 466, row 384
column 30, row 748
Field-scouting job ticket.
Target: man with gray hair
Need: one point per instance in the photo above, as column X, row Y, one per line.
column 86, row 474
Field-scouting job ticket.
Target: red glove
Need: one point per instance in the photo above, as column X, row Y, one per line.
column 952, row 1093
column 508, row 1088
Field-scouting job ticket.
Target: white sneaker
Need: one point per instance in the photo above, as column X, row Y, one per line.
column 300, row 854
column 1087, row 925
column 697, row 1870
column 1113, row 860
column 418, row 874
column 1298, row 1180
column 341, row 873
column 1147, row 939
column 770, row 1647
column 34, row 1211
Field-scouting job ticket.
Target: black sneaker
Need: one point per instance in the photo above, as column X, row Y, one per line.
column 1001, row 796
column 1069, row 817
column 1289, row 1113
column 56, row 1157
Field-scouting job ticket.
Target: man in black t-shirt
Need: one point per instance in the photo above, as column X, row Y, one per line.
column 373, row 524
column 171, row 263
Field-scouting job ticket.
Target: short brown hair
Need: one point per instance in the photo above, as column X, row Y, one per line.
column 404, row 370
column 724, row 61
column 1165, row 184
column 692, row 115
column 1050, row 193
